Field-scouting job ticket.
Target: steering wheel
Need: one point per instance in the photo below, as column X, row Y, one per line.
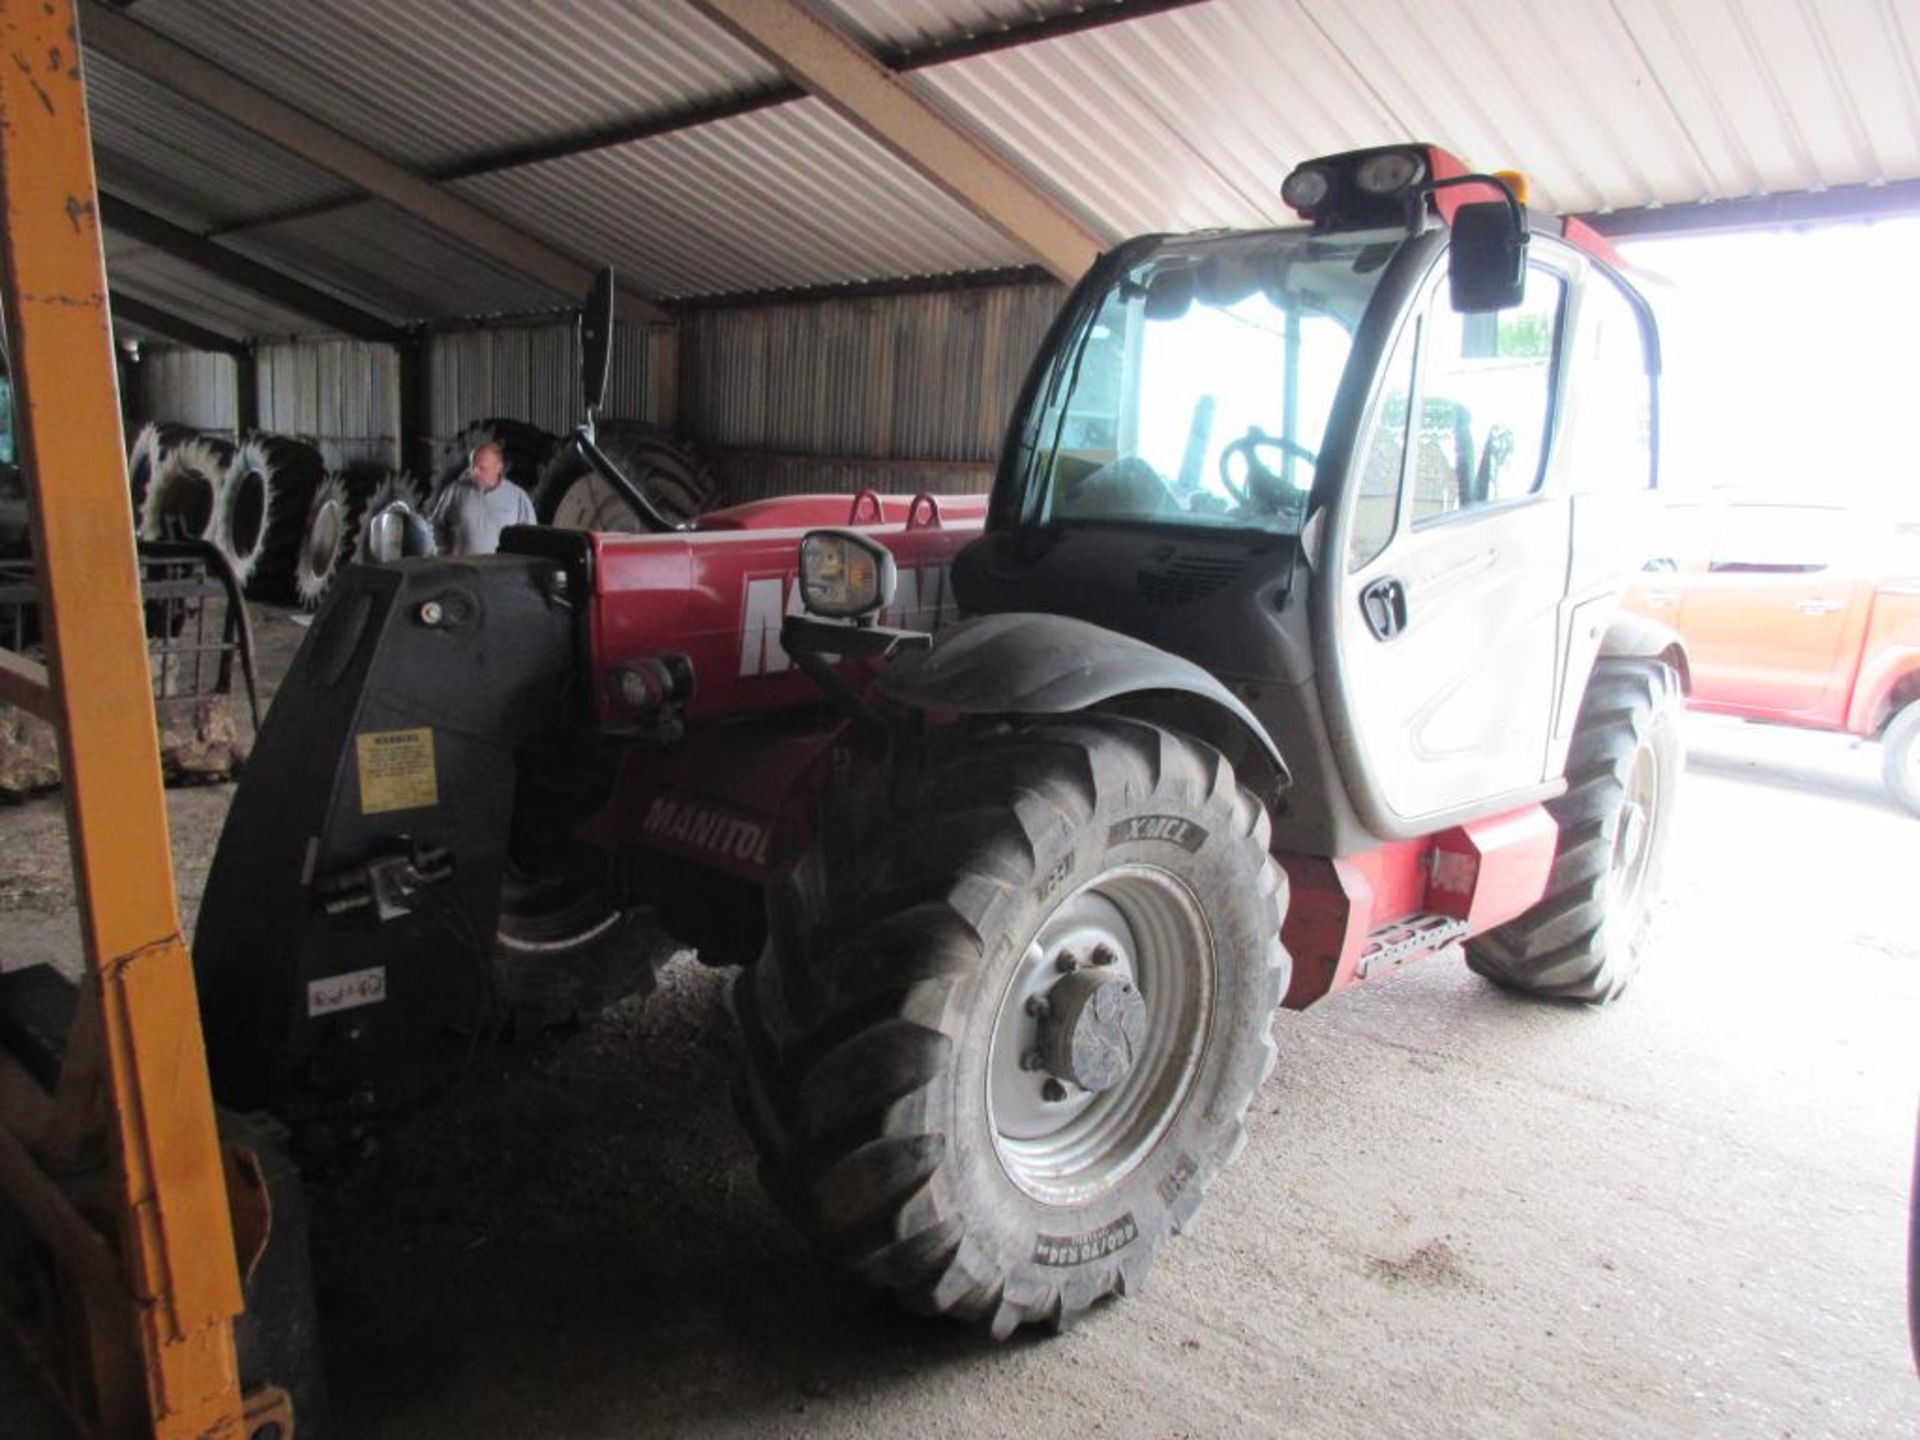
column 1258, row 475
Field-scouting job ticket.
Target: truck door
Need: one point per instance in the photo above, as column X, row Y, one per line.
column 1769, row 619
column 1447, row 635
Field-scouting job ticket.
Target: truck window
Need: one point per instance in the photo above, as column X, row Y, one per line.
column 1777, row 539
column 1487, row 384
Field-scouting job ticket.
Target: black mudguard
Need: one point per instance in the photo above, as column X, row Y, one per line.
column 1037, row 664
column 327, row 996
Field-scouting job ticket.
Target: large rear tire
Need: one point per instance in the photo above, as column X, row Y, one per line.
column 996, row 1055
column 331, row 538
column 264, row 500
column 1582, row 941
column 574, row 497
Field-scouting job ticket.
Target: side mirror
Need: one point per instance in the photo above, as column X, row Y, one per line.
column 397, row 533
column 1488, row 260
column 596, row 341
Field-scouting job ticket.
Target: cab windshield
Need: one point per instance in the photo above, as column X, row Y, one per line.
column 1198, row 389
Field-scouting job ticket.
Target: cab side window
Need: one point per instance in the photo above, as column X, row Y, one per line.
column 1487, row 398
column 1608, row 437
column 1377, row 505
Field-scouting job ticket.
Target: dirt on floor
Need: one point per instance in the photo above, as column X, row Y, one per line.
column 1460, row 1214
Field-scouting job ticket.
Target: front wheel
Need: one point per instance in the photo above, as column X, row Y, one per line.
column 1900, row 757
column 1582, row 940
column 997, row 1065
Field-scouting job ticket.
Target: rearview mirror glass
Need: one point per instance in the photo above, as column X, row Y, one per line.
column 596, row 340
column 1488, row 265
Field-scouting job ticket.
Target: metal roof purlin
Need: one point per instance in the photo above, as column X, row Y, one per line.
column 652, row 126
column 149, row 53
column 126, row 307
column 866, row 93
column 240, row 270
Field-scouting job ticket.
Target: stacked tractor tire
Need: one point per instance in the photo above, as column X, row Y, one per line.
column 289, row 524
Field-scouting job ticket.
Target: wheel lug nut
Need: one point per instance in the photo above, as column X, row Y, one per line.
column 1066, row 962
column 1103, row 955
column 1036, row 1005
column 1032, row 1060
column 1053, row 1092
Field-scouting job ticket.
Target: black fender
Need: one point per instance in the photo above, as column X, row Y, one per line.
column 1635, row 637
column 1033, row 664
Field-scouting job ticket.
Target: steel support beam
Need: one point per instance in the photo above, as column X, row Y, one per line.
column 128, row 219
column 165, row 322
column 1837, row 205
column 836, row 69
column 151, row 54
column 144, row 1084
column 655, row 123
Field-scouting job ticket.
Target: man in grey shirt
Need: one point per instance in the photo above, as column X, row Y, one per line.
column 468, row 516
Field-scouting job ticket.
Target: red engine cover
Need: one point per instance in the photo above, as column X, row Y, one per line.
column 717, row 594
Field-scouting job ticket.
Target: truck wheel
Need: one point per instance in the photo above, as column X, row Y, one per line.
column 1582, row 940
column 1900, row 757
column 995, row 1055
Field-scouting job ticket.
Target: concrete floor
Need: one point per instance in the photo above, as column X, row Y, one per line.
column 1460, row 1213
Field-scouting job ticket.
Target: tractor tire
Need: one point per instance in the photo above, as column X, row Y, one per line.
column 183, row 500
column 893, row 1068
column 1582, row 940
column 574, row 497
column 330, row 539
column 144, row 458
column 264, row 499
column 1900, row 756
column 527, row 450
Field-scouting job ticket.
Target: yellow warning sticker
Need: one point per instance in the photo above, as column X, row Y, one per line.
column 396, row 771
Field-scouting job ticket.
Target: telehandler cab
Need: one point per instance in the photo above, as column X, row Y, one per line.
column 1290, row 634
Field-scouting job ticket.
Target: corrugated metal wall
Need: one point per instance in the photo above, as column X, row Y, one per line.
column 891, row 391
column 526, row 372
column 341, row 394
column 193, row 387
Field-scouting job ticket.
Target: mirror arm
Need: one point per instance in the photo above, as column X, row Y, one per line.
column 1514, row 207
column 584, row 442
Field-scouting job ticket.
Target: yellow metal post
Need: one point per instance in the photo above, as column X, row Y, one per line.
column 148, row 1067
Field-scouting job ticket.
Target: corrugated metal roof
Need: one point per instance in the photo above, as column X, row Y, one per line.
column 784, row 197
column 387, row 261
column 1180, row 119
column 194, row 295
column 910, row 24
column 1193, row 117
column 430, row 82
column 155, row 147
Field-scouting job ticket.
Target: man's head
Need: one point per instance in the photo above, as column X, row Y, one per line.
column 487, row 464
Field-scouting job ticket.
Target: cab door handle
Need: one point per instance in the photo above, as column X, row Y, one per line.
column 1384, row 604
column 1819, row 605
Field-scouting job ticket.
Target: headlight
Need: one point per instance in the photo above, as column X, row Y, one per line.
column 1305, row 189
column 1385, row 174
column 844, row 575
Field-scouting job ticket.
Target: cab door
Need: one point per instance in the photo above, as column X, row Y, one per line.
column 1448, row 628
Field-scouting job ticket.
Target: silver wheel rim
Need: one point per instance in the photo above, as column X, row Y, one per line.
column 590, row 503
column 1066, row 1150
column 1633, row 836
column 323, row 539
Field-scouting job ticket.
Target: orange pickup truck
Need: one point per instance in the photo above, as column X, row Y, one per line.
column 1800, row 614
